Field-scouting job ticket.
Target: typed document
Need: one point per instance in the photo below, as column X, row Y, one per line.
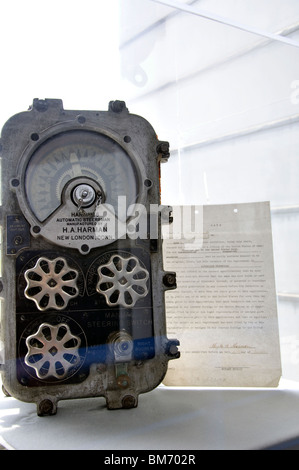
column 224, row 309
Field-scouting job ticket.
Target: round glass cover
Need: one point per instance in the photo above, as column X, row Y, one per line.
column 73, row 154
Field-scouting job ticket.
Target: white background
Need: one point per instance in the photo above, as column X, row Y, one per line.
column 223, row 98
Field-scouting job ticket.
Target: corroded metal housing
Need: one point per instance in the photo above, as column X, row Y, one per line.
column 82, row 282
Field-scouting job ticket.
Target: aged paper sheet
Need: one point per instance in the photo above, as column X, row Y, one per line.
column 224, row 310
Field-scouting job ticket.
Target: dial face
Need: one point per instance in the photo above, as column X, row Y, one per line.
column 73, row 154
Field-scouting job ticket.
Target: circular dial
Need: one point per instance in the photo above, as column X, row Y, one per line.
column 73, row 154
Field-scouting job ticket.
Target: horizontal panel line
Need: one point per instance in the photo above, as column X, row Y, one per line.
column 241, row 133
column 285, row 209
column 287, row 296
column 223, row 61
column 227, row 21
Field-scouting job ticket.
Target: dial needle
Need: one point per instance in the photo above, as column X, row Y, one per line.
column 76, row 167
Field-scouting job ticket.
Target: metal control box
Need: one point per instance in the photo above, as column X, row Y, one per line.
column 82, row 281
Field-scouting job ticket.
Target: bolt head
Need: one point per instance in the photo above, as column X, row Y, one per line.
column 128, row 402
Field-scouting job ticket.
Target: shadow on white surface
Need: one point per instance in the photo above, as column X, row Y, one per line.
column 166, row 418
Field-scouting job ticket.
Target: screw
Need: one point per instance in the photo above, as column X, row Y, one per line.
column 45, row 408
column 123, row 381
column 18, row 240
column 128, row 402
column 40, row 105
column 117, row 106
column 163, row 149
column 172, row 349
column 15, row 182
column 81, row 119
column 169, row 280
